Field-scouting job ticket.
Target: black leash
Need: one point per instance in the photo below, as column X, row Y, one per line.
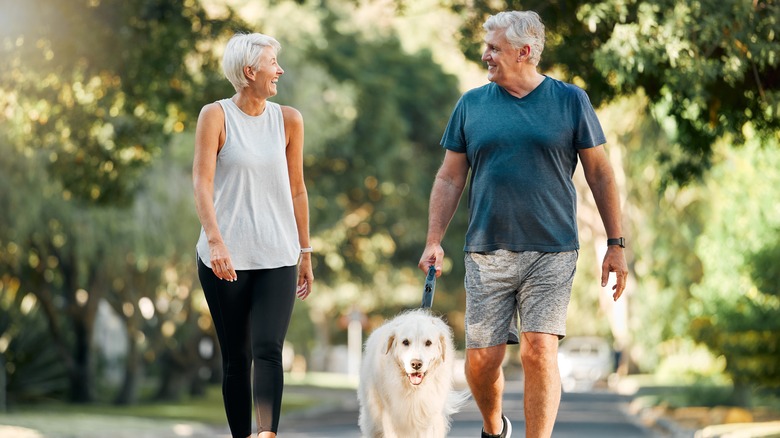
column 430, row 287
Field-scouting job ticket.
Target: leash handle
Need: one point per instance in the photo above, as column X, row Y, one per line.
column 429, row 289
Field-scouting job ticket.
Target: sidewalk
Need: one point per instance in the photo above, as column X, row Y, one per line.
column 339, row 407
column 95, row 426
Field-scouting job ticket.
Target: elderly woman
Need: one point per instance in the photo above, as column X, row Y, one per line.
column 254, row 254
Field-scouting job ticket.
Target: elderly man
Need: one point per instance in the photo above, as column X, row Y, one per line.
column 521, row 136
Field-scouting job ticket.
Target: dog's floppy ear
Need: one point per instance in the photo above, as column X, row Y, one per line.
column 390, row 341
column 444, row 337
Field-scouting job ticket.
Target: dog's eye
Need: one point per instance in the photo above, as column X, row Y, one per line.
column 405, row 342
column 428, row 343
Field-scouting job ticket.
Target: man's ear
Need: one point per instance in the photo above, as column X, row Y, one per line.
column 524, row 53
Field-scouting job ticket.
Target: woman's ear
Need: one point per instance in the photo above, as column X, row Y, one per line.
column 249, row 72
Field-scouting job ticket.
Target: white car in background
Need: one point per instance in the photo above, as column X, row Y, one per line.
column 583, row 361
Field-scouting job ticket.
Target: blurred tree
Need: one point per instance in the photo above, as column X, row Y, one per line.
column 736, row 305
column 89, row 93
column 708, row 68
column 70, row 257
column 99, row 85
column 371, row 184
column 153, row 286
column 662, row 226
column 388, row 159
column 32, row 364
column 764, row 266
column 374, row 115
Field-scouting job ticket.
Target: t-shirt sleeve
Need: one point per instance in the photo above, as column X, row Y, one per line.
column 587, row 129
column 454, row 137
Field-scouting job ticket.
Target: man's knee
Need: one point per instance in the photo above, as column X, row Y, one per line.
column 482, row 360
column 538, row 350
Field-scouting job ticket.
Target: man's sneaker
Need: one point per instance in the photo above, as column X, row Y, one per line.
column 505, row 433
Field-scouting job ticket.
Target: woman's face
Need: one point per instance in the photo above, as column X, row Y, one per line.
column 267, row 73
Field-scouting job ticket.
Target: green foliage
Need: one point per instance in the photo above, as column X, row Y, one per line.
column 735, row 307
column 709, row 68
column 764, row 267
column 99, row 85
column 369, row 183
column 90, row 93
column 662, row 226
column 746, row 333
column 31, row 363
column 96, row 199
column 71, row 256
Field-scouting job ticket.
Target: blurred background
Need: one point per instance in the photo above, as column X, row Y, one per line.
column 99, row 297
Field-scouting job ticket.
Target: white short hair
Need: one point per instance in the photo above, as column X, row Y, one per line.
column 244, row 50
column 522, row 28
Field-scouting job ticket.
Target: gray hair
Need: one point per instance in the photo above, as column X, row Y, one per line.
column 244, row 50
column 522, row 28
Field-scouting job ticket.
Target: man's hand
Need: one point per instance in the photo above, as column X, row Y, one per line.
column 432, row 255
column 615, row 261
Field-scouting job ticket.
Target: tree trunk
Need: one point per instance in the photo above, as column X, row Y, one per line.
column 80, row 373
column 128, row 393
column 173, row 382
column 743, row 394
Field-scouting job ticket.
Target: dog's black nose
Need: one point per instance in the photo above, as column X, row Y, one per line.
column 416, row 364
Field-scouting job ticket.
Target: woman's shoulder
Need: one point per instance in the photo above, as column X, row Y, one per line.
column 290, row 114
column 212, row 114
column 213, row 109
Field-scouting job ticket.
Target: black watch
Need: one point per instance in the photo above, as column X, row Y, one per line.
column 620, row 241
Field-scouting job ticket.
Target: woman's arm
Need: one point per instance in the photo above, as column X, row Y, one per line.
column 209, row 138
column 293, row 128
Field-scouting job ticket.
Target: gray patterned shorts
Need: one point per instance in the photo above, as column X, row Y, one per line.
column 500, row 284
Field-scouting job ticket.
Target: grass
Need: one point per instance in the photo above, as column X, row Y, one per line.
column 207, row 409
column 699, row 394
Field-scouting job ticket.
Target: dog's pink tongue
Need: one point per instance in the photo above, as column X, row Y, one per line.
column 416, row 378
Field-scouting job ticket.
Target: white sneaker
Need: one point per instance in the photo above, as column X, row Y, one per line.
column 506, row 432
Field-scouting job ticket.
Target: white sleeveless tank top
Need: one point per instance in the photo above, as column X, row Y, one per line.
column 252, row 195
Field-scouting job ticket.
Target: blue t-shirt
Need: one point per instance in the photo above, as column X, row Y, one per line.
column 522, row 153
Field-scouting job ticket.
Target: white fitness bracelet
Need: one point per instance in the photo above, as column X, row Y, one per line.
column 307, row 249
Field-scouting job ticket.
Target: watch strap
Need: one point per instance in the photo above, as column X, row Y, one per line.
column 620, row 241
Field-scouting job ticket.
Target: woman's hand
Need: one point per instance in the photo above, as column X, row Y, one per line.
column 305, row 276
column 221, row 263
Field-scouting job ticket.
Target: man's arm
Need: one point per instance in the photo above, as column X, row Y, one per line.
column 601, row 180
column 445, row 195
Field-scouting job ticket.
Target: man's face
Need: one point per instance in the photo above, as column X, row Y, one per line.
column 501, row 58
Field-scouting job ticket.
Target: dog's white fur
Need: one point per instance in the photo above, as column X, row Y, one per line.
column 406, row 387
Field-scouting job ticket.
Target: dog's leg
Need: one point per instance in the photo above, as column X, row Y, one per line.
column 373, row 419
column 438, row 428
column 388, row 429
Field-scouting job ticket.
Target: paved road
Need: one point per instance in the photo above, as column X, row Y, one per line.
column 582, row 415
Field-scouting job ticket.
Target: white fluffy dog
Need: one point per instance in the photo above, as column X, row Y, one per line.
column 406, row 378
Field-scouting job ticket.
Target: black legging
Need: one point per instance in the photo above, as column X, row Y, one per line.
column 251, row 316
